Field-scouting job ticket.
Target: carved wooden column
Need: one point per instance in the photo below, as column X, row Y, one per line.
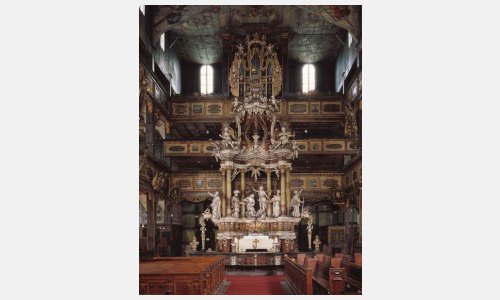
column 225, row 64
column 242, row 210
column 288, row 190
column 284, row 63
column 151, row 222
column 223, row 194
column 150, row 127
column 283, row 192
column 268, row 189
column 228, row 192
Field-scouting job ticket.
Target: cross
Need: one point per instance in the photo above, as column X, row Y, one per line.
column 255, row 242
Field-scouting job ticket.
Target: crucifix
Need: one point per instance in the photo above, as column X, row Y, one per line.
column 254, row 244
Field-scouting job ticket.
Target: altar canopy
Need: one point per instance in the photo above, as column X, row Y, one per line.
column 256, row 142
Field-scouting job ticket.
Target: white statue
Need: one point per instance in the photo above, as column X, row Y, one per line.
column 295, row 202
column 250, row 200
column 283, row 138
column 275, row 103
column 263, row 197
column 236, row 103
column 194, row 244
column 276, row 204
column 316, row 243
column 215, row 205
column 228, row 139
column 295, row 149
column 235, row 201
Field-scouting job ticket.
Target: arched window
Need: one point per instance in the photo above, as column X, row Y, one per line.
column 206, row 80
column 308, row 78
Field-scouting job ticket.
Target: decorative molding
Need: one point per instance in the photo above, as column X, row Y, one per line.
column 205, row 148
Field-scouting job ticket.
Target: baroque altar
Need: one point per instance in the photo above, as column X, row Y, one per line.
column 255, row 143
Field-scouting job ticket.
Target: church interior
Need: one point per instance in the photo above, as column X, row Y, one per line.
column 250, row 149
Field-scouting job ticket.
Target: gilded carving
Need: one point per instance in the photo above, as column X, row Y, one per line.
column 351, row 125
column 255, row 65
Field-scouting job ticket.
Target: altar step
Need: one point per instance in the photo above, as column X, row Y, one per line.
column 256, row 285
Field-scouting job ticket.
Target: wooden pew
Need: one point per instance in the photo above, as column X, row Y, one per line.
column 328, row 275
column 299, row 277
column 353, row 274
column 328, row 278
column 181, row 275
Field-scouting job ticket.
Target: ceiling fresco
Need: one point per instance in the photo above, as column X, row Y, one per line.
column 316, row 32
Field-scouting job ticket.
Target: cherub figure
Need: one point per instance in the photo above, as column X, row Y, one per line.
column 236, row 103
column 240, row 49
column 275, row 103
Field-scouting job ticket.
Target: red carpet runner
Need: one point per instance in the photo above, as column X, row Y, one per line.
column 255, row 285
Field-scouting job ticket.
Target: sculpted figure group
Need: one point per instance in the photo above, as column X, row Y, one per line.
column 263, row 199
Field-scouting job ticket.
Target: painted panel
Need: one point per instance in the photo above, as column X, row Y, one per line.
column 214, row 109
column 297, row 182
column 199, row 183
column 195, row 148
column 312, row 183
column 329, row 107
column 334, row 146
column 197, row 109
column 298, row 108
column 180, row 109
column 315, row 108
column 315, row 146
column 175, row 148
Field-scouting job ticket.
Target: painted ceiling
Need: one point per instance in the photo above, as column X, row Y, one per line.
column 316, row 32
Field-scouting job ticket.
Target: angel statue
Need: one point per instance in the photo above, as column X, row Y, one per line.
column 240, row 48
column 295, row 202
column 295, row 149
column 250, row 200
column 228, row 138
column 275, row 103
column 236, row 103
column 216, row 150
column 276, row 204
column 283, row 138
column 215, row 205
column 263, row 197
